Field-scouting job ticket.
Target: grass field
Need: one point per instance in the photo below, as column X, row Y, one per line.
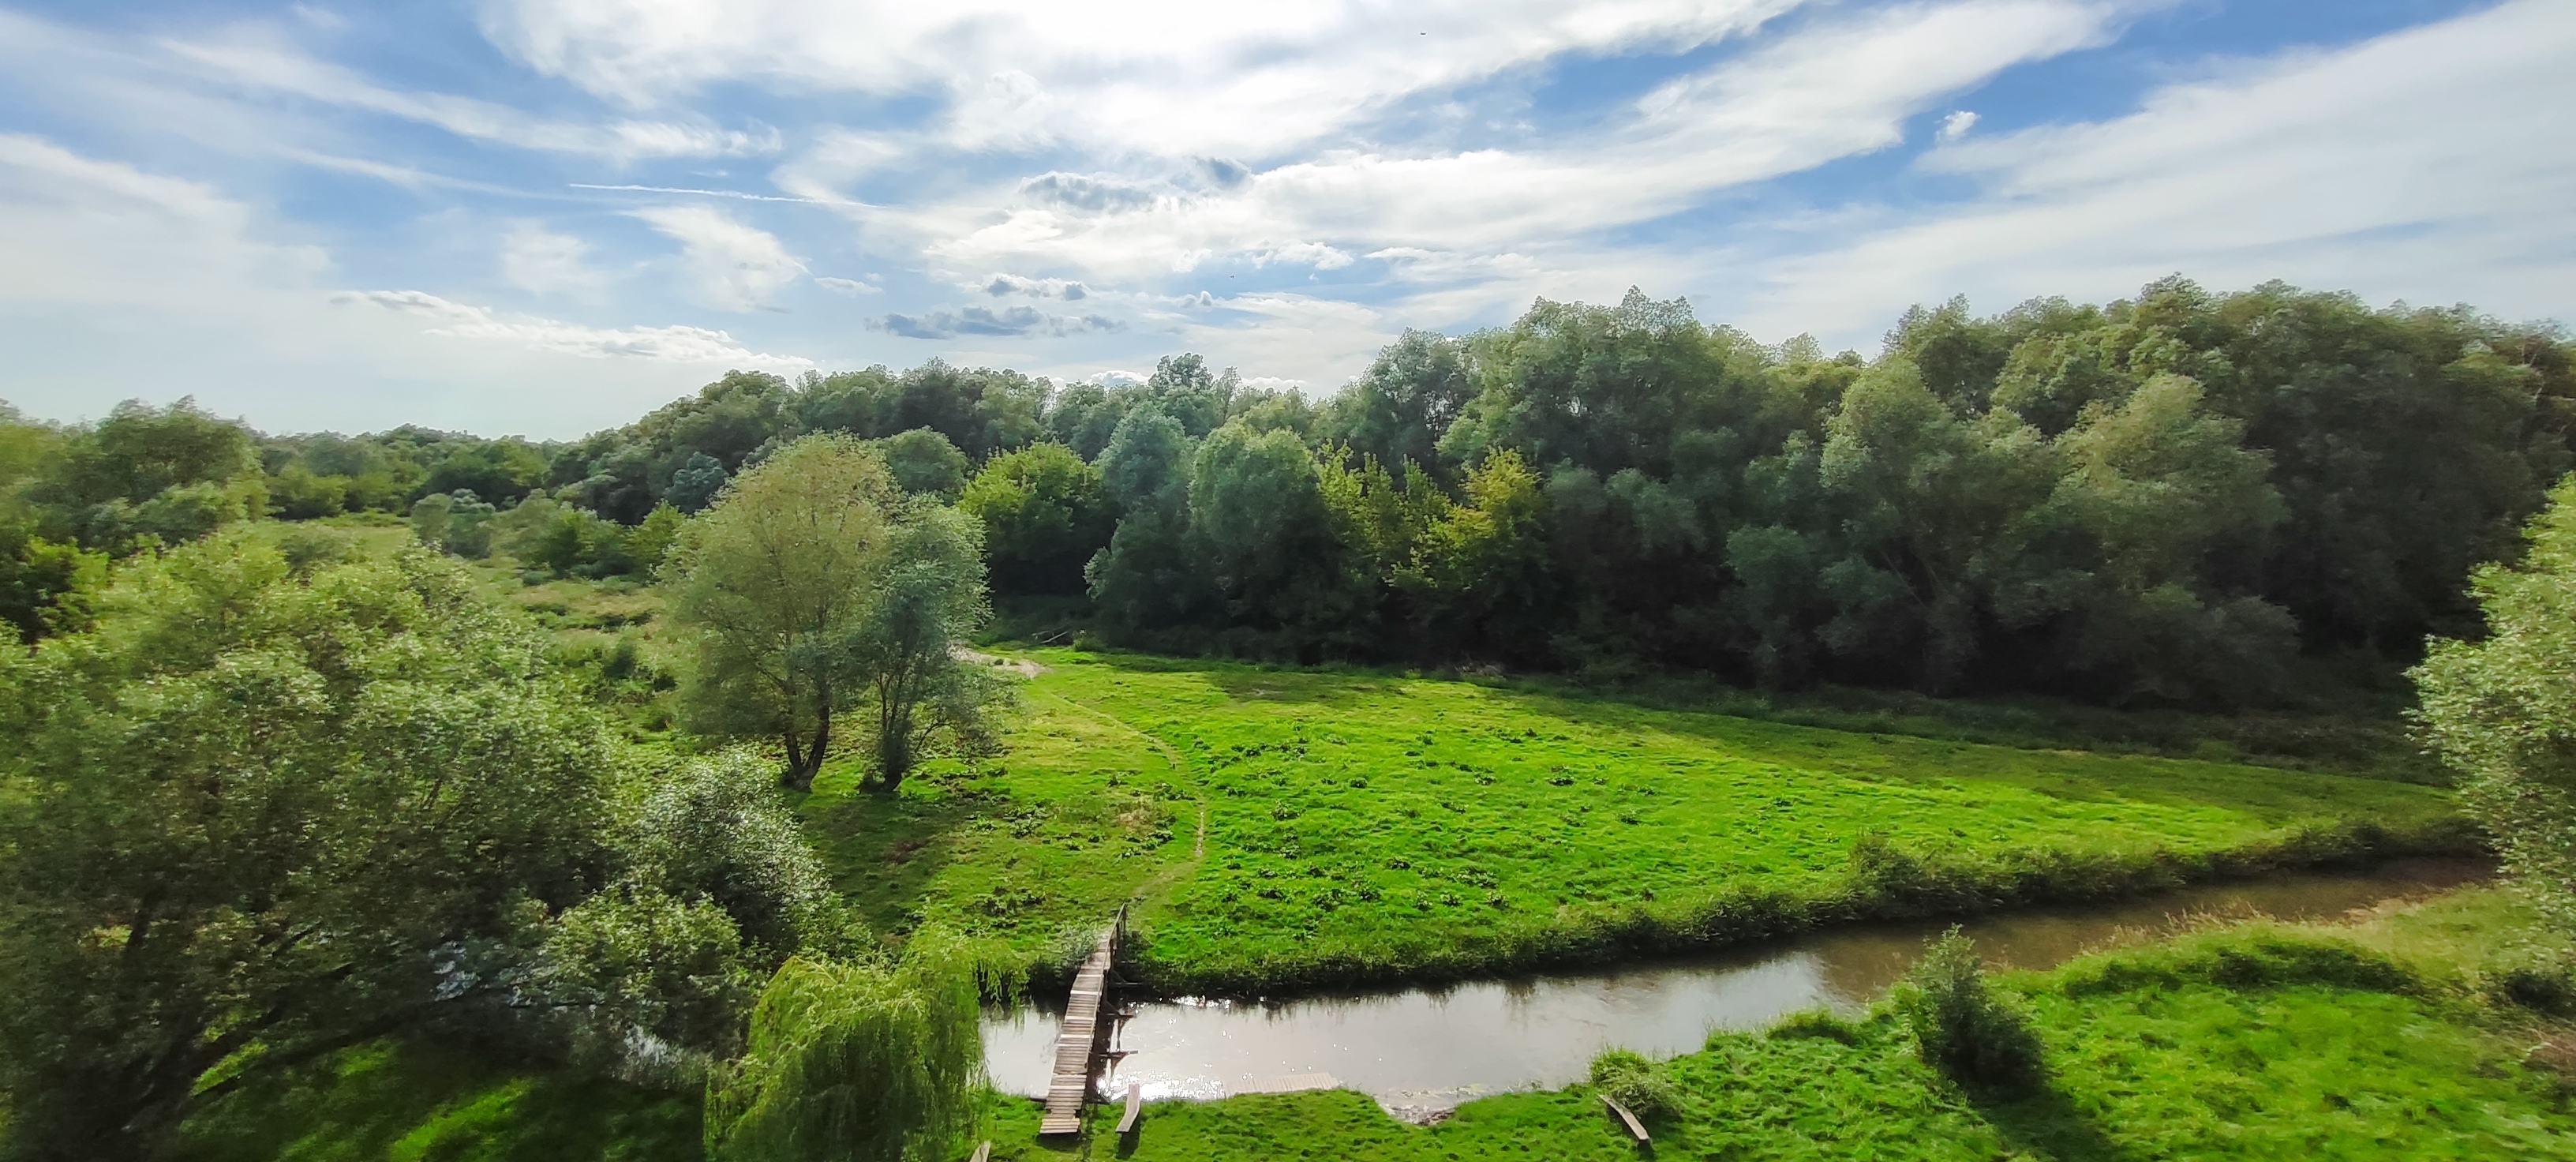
column 1284, row 828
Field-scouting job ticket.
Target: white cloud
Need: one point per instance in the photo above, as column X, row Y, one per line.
column 251, row 59
column 847, row 286
column 1832, row 89
column 537, row 260
column 1314, row 254
column 2411, row 166
column 736, row 267
column 672, row 344
column 1158, row 77
column 1956, row 125
column 116, row 281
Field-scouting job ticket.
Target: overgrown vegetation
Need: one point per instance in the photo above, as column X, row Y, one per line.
column 855, row 1060
column 2503, row 709
column 1962, row 1027
column 259, row 814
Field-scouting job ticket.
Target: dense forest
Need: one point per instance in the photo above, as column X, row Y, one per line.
column 2176, row 498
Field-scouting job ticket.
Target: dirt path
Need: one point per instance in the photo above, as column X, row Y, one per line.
column 1021, row 666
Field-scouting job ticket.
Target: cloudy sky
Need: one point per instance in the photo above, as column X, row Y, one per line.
column 544, row 216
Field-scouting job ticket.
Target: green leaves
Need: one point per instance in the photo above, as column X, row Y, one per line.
column 2502, row 710
column 855, row 1060
column 262, row 813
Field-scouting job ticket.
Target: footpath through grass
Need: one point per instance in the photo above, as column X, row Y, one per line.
column 1368, row 827
column 2261, row 1041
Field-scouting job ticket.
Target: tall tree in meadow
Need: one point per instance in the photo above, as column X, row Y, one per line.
column 772, row 581
column 927, row 602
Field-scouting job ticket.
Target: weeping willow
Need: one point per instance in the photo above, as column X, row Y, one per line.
column 855, row 1061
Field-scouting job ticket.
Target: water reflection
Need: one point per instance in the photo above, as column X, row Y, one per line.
column 1434, row 1048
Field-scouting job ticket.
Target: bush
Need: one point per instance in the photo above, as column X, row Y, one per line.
column 1816, row 1023
column 2541, row 982
column 1630, row 1079
column 1961, row 1027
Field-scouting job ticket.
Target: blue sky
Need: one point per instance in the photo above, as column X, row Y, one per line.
column 545, row 216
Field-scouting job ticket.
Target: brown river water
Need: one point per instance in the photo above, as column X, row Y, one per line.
column 1428, row 1049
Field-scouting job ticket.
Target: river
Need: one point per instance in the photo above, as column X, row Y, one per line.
column 1428, row 1049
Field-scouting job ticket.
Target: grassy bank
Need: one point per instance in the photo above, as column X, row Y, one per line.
column 2364, row 1041
column 1284, row 829
column 2260, row 1041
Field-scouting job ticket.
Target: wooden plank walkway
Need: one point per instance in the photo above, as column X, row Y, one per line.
column 1634, row 1126
column 1080, row 1039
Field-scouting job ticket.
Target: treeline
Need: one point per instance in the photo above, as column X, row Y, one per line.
column 2165, row 498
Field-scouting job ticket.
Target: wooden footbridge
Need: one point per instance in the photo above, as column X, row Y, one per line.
column 1077, row 1047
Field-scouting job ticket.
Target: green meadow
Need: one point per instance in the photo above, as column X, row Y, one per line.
column 1276, row 829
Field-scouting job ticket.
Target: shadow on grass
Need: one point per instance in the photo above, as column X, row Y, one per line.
column 2048, row 1125
column 430, row 1101
column 883, row 850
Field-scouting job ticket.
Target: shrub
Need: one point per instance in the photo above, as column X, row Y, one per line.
column 1961, row 1027
column 2543, row 982
column 1817, row 1023
column 1630, row 1080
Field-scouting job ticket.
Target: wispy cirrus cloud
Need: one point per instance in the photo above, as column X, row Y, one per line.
column 2357, row 168
column 679, row 344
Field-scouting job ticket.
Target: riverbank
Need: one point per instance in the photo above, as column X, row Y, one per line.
column 2374, row 1039
column 1284, row 831
column 1418, row 1051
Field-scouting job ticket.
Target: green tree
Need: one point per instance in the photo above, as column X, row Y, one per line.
column 1480, row 567
column 649, row 544
column 1149, row 577
column 2502, row 710
column 1400, row 408
column 772, row 582
column 256, row 816
column 45, row 587
column 1258, row 510
column 1045, row 515
column 855, row 1061
column 924, row 461
column 696, row 484
column 926, row 603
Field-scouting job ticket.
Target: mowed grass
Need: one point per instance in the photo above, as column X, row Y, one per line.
column 1371, row 827
column 2262, row 1041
